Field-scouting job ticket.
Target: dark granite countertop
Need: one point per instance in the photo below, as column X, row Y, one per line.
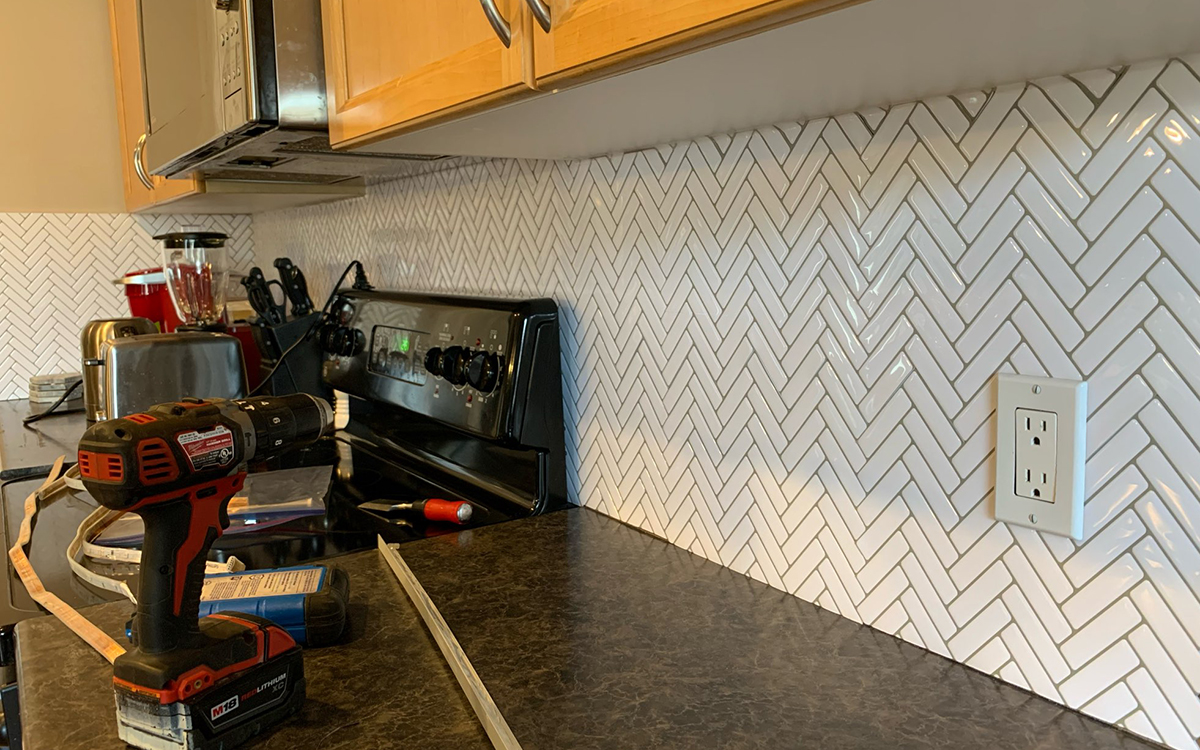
column 386, row 686
column 590, row 634
column 35, row 447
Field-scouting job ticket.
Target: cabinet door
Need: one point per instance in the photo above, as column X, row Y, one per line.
column 127, row 72
column 394, row 64
column 588, row 38
column 131, row 111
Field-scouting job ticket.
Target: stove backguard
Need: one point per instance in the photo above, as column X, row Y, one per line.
column 469, row 387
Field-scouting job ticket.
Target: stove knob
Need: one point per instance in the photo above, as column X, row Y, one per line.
column 347, row 342
column 433, row 360
column 461, row 365
column 483, row 371
column 449, row 354
column 454, row 361
column 325, row 337
column 335, row 340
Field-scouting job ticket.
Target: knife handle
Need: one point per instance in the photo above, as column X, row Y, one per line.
column 258, row 292
column 296, row 287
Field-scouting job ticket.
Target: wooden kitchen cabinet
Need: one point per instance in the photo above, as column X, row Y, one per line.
column 591, row 38
column 399, row 68
column 392, row 65
column 131, row 113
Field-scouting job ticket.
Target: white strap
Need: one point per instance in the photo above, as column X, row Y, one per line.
column 96, row 521
column 134, row 556
column 92, row 525
column 92, row 635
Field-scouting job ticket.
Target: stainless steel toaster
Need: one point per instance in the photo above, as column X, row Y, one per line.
column 142, row 371
column 93, row 344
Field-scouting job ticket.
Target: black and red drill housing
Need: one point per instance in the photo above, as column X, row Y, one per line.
column 178, row 466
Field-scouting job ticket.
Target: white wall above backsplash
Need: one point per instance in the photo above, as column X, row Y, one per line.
column 779, row 348
column 56, row 273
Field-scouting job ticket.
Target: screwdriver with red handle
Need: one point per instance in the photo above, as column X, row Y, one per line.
column 433, row 509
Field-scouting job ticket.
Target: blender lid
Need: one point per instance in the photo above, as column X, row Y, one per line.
column 143, row 277
column 172, row 240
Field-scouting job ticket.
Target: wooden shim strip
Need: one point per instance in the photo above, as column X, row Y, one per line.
column 485, row 708
column 92, row 635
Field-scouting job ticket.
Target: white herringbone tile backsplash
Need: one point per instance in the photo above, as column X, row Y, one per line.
column 779, row 350
column 56, row 273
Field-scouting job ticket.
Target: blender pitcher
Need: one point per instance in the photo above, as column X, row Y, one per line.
column 196, row 266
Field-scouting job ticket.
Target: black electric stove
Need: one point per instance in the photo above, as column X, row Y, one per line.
column 449, row 397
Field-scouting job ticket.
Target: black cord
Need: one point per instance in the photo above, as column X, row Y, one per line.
column 360, row 279
column 354, row 264
column 66, row 395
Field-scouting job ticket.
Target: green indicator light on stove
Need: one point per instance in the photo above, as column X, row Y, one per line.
column 404, row 345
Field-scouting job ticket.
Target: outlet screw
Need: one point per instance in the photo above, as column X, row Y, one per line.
column 1032, row 518
column 1037, row 389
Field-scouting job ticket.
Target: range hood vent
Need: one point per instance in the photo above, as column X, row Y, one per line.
column 320, row 145
column 296, row 156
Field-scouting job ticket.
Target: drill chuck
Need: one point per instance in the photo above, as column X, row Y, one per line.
column 281, row 423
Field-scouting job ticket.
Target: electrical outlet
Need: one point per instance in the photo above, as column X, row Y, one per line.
column 1036, row 444
column 1040, row 431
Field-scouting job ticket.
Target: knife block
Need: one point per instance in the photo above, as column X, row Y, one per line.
column 300, row 372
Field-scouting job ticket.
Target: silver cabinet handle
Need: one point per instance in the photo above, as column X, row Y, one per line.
column 499, row 25
column 138, row 165
column 541, row 12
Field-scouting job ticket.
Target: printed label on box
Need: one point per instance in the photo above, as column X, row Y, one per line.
column 267, row 583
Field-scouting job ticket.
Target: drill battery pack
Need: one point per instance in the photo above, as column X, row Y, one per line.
column 308, row 601
column 215, row 710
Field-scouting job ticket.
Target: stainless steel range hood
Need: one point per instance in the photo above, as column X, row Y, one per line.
column 235, row 89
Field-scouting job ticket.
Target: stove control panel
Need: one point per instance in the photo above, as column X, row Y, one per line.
column 466, row 362
column 393, row 354
column 460, row 365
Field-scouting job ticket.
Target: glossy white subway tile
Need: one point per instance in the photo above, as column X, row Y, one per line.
column 57, row 273
column 1160, row 711
column 1109, row 626
column 1027, row 661
column 1107, row 668
column 1178, row 693
column 1053, row 174
column 1116, row 98
column 1114, row 704
column 1119, row 235
column 1163, row 623
column 1055, row 131
column 1103, row 549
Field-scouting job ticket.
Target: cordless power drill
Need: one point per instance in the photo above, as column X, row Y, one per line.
column 189, row 682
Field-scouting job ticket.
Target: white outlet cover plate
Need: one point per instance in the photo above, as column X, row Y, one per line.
column 1068, row 400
